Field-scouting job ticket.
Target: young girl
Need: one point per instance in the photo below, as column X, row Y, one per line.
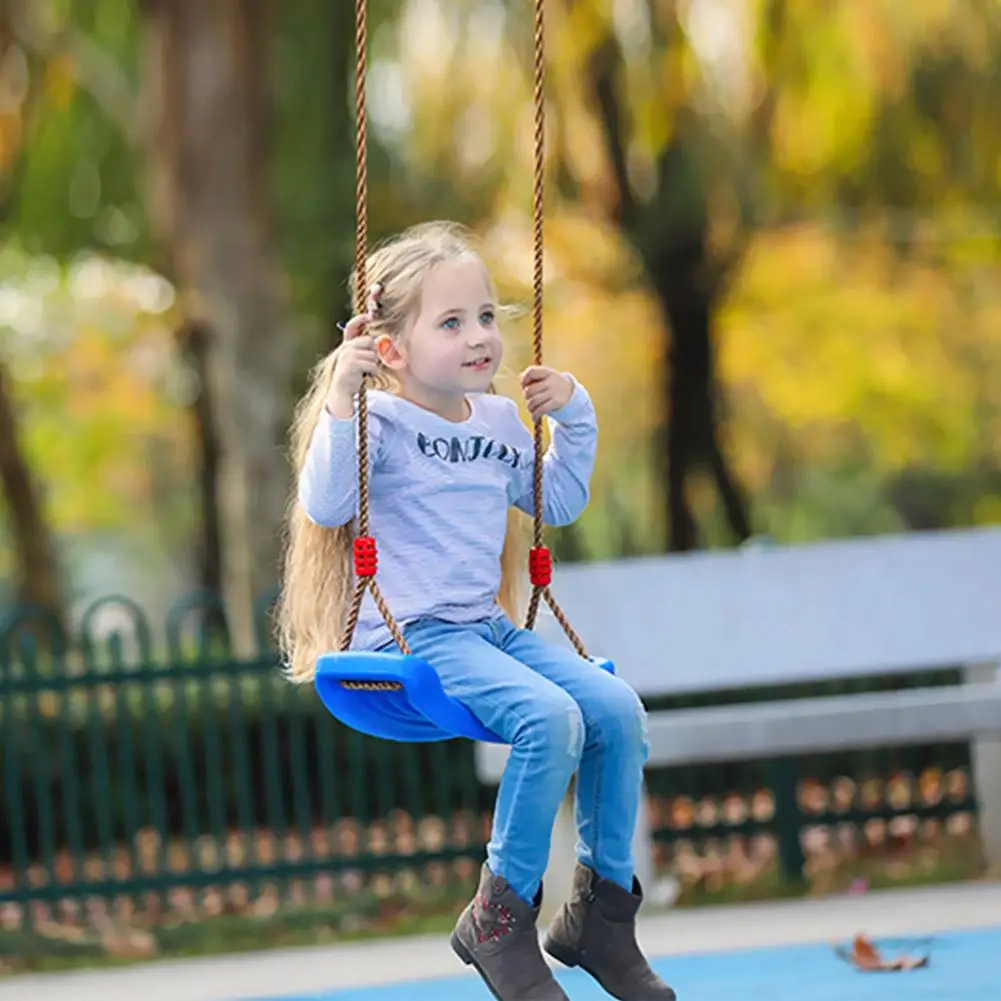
column 449, row 461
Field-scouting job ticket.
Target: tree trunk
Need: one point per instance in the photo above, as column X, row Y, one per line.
column 193, row 343
column 669, row 233
column 691, row 437
column 206, row 87
column 37, row 577
column 38, row 580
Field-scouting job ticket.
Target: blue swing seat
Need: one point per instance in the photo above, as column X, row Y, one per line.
column 398, row 697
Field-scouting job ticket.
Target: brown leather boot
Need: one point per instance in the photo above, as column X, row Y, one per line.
column 596, row 930
column 497, row 934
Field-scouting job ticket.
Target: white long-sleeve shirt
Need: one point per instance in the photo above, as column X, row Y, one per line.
column 439, row 494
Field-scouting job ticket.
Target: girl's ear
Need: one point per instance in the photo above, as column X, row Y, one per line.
column 389, row 353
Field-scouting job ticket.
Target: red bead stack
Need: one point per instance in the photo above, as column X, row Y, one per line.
column 366, row 557
column 540, row 566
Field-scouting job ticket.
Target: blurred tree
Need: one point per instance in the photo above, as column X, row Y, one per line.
column 83, row 187
column 884, row 127
column 207, row 84
column 313, row 166
column 80, row 184
column 678, row 183
column 887, row 116
column 80, row 187
column 719, row 120
column 37, row 572
column 851, row 369
column 679, row 136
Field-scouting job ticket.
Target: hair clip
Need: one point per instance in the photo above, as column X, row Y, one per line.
column 374, row 296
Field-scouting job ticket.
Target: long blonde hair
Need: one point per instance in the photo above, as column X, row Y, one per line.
column 319, row 579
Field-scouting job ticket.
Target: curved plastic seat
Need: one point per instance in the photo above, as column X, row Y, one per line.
column 398, row 697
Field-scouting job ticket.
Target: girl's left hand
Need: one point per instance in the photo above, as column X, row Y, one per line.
column 545, row 390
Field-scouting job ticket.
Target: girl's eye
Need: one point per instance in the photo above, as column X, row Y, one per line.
column 452, row 323
column 487, row 317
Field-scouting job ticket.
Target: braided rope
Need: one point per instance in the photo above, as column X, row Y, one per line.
column 366, row 583
column 361, row 240
column 540, row 592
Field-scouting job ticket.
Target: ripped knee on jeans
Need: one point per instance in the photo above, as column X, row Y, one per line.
column 575, row 735
column 560, row 727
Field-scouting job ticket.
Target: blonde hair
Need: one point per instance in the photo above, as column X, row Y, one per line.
column 318, row 578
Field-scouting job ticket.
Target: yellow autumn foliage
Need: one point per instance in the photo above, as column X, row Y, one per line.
column 838, row 341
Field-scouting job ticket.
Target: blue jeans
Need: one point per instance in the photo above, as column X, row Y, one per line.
column 560, row 714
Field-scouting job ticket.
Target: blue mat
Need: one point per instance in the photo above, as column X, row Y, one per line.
column 965, row 966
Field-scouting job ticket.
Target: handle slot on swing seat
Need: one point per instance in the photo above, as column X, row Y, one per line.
column 372, row 686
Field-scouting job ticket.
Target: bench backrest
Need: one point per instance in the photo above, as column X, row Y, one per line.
column 710, row 621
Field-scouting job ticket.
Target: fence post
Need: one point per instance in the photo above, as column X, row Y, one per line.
column 788, row 819
column 985, row 764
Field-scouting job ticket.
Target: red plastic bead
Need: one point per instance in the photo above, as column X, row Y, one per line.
column 366, row 557
column 540, row 566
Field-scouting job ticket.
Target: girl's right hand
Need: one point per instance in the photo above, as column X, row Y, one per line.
column 356, row 359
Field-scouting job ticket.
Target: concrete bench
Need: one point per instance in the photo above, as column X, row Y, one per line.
column 829, row 612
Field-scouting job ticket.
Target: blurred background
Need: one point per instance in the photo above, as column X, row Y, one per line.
column 772, row 254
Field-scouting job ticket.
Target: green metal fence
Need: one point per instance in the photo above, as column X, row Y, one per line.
column 860, row 802
column 131, row 766
column 139, row 765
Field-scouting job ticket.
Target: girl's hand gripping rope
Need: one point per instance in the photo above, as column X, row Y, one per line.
column 545, row 390
column 356, row 358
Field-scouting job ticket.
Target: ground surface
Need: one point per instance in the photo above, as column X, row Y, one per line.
column 775, row 951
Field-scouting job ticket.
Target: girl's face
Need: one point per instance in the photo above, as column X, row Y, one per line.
column 453, row 346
